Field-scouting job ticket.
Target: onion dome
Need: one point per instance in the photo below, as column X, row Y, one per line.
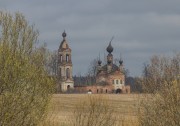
column 64, row 34
column 64, row 43
column 99, row 62
column 120, row 61
column 109, row 48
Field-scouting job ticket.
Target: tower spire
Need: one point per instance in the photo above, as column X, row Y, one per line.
column 99, row 60
column 110, row 48
column 120, row 59
column 64, row 35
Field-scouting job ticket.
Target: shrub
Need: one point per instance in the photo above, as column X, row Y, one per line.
column 95, row 110
column 25, row 86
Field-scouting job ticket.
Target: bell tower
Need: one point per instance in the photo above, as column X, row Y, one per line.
column 65, row 65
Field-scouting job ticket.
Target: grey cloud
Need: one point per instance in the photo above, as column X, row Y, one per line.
column 141, row 28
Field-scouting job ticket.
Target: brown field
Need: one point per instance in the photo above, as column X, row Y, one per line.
column 63, row 106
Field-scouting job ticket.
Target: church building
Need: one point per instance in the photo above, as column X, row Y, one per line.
column 110, row 78
column 65, row 66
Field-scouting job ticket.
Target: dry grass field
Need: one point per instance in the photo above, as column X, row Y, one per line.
column 63, row 106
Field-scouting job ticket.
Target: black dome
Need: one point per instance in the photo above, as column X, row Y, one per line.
column 64, row 34
column 109, row 48
column 99, row 62
column 120, row 62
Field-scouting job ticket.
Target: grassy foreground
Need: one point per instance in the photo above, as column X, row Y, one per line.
column 63, row 107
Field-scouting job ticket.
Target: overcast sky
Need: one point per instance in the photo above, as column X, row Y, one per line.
column 141, row 28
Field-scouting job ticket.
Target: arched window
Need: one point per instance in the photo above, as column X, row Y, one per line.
column 118, row 91
column 61, row 58
column 68, row 87
column 67, row 73
column 67, row 58
column 60, row 72
column 117, row 81
column 121, row 82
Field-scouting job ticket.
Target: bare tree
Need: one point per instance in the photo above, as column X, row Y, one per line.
column 93, row 67
column 162, row 83
column 91, row 74
column 52, row 62
column 160, row 71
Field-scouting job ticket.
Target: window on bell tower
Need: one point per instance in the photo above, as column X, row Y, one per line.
column 67, row 73
column 67, row 58
column 61, row 58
